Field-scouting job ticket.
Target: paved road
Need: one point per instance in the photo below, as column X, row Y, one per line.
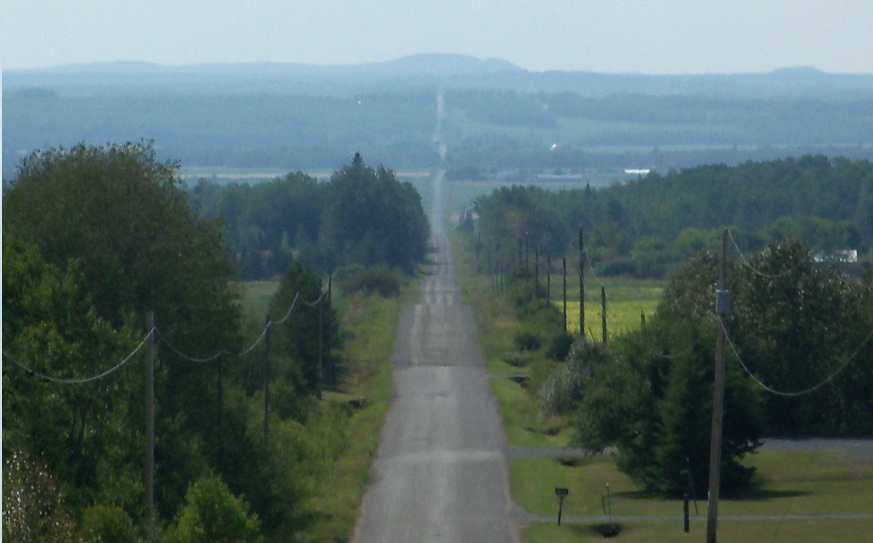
column 440, row 474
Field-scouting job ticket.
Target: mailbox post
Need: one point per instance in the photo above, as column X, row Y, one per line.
column 561, row 493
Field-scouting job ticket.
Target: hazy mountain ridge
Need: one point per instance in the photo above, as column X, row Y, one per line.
column 415, row 71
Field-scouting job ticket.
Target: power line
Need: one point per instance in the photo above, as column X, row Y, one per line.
column 317, row 300
column 755, row 270
column 804, row 392
column 166, row 342
column 287, row 314
column 84, row 379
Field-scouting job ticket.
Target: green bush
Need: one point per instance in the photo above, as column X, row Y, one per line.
column 559, row 346
column 107, row 524
column 378, row 279
column 525, row 340
column 212, row 514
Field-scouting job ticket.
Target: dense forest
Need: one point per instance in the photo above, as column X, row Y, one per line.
column 97, row 238
column 647, row 227
column 363, row 216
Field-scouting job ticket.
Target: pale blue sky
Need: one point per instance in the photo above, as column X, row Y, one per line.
column 668, row 36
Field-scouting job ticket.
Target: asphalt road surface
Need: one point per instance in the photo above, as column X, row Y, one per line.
column 440, row 473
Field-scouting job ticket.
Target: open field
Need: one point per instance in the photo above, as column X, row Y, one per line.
column 255, row 298
column 627, row 300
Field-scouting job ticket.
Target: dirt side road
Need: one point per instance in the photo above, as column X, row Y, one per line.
column 440, row 474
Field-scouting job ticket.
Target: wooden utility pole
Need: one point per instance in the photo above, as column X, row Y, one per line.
column 581, row 284
column 721, row 308
column 537, row 271
column 565, row 293
column 267, row 379
column 549, row 277
column 327, row 347
column 320, row 345
column 150, row 428
column 603, row 311
column 490, row 270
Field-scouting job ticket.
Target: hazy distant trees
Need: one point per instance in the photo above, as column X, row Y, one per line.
column 363, row 216
column 647, row 227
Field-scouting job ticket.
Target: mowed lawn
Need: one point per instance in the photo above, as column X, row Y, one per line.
column 815, row 495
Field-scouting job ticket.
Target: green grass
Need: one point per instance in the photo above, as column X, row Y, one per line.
column 627, row 300
column 795, row 482
column 776, row 531
column 371, row 322
column 255, row 298
column 792, row 483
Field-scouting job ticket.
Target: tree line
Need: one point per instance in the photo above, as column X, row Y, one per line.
column 363, row 216
column 94, row 238
column 647, row 227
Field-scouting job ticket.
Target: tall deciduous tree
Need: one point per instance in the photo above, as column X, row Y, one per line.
column 51, row 327
column 120, row 214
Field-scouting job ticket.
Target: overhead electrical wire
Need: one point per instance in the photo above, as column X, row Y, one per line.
column 755, row 270
column 803, row 392
column 82, row 380
column 166, row 343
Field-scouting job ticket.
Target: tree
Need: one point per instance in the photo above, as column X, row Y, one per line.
column 120, row 216
column 653, row 401
column 793, row 324
column 34, row 508
column 51, row 327
column 371, row 218
column 212, row 514
column 296, row 339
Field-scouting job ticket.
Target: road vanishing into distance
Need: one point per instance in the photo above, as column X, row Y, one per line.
column 440, row 473
column 441, row 470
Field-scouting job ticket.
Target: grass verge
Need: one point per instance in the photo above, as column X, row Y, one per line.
column 369, row 324
column 496, row 325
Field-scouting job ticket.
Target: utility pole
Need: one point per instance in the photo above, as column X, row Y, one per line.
column 565, row 293
column 722, row 303
column 150, row 427
column 327, row 346
column 549, row 277
column 320, row 345
column 537, row 271
column 603, row 311
column 581, row 284
column 267, row 379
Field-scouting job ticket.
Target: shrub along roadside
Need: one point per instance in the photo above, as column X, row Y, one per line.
column 522, row 339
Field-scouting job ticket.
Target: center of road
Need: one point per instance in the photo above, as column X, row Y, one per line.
column 440, row 473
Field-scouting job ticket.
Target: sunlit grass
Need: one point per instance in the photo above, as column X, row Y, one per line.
column 728, row 531
column 821, row 482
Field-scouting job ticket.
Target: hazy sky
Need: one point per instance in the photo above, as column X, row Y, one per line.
column 667, row 36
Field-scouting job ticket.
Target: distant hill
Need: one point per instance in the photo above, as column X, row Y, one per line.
column 491, row 116
column 425, row 71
